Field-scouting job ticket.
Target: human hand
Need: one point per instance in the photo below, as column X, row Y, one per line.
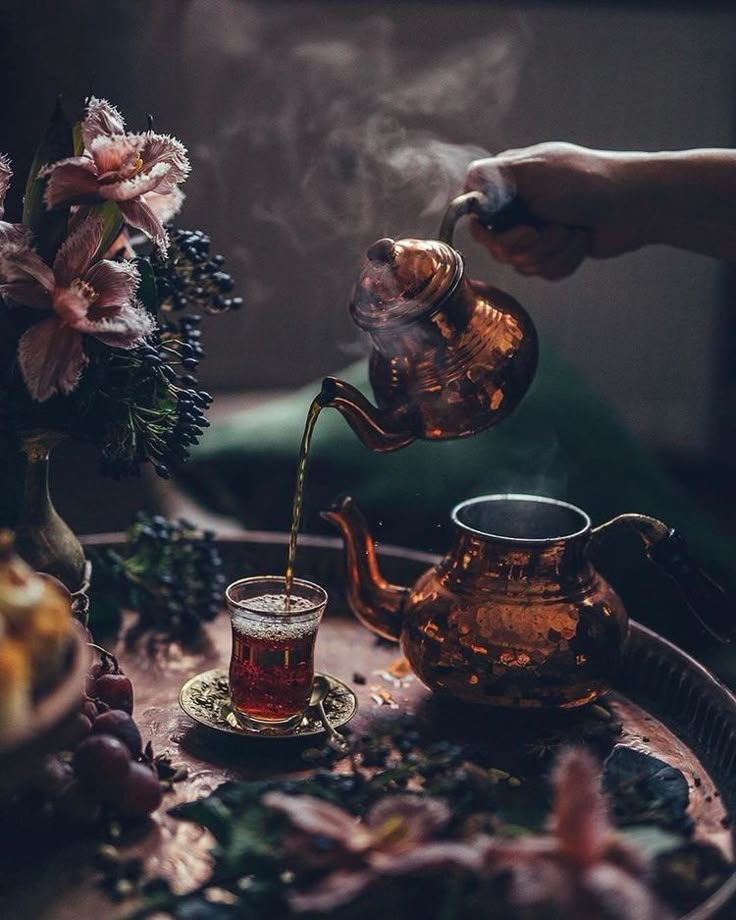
column 584, row 200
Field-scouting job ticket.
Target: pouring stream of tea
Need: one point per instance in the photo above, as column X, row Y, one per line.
column 296, row 508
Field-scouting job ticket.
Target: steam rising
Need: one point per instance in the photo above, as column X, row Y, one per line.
column 359, row 129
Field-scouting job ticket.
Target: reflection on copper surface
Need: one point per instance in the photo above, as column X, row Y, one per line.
column 451, row 356
column 500, row 620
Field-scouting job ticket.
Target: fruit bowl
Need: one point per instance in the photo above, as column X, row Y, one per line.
column 52, row 719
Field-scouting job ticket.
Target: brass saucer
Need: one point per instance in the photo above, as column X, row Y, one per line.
column 206, row 699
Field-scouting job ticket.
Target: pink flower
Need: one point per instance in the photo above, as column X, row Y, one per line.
column 581, row 869
column 82, row 296
column 120, row 167
column 6, row 174
column 392, row 840
column 9, row 233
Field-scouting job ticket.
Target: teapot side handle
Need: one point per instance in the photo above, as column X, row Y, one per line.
column 669, row 551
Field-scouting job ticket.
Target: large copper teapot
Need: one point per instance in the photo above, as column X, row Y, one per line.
column 451, row 356
column 515, row 614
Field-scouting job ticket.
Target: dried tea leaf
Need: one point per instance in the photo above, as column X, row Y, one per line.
column 399, row 668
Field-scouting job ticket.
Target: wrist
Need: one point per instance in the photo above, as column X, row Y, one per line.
column 643, row 191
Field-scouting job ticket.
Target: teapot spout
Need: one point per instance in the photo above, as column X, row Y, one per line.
column 375, row 427
column 376, row 603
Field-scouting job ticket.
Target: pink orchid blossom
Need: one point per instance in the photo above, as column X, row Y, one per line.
column 82, row 296
column 121, row 167
column 581, row 869
column 392, row 840
column 6, row 174
column 9, row 233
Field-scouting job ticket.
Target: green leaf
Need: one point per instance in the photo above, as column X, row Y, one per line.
column 651, row 840
column 147, row 291
column 646, row 790
column 78, row 143
column 48, row 227
column 112, row 223
column 210, row 813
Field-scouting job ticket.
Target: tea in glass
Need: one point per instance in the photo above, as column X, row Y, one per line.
column 272, row 662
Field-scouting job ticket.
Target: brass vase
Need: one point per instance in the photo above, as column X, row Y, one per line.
column 42, row 538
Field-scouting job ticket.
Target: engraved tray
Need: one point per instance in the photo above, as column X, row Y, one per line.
column 669, row 705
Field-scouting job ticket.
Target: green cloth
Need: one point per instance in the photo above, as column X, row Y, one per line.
column 563, row 441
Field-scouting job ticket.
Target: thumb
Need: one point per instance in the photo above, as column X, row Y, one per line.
column 494, row 178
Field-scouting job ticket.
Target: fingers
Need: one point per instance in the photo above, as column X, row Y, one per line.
column 552, row 252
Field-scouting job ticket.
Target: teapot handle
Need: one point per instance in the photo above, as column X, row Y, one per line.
column 511, row 214
column 668, row 550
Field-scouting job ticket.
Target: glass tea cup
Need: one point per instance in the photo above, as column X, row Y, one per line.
column 272, row 661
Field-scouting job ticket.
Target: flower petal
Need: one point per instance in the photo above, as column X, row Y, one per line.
column 438, row 856
column 399, row 822
column 115, row 284
column 116, row 154
column 320, row 819
column 334, row 890
column 579, row 819
column 27, row 294
column 167, row 206
column 126, row 329
column 620, row 896
column 14, row 234
column 139, row 215
column 126, row 189
column 78, row 249
column 71, row 183
column 162, row 148
column 19, row 263
column 545, row 884
column 71, row 304
column 51, row 358
column 6, row 174
column 84, row 162
column 102, row 118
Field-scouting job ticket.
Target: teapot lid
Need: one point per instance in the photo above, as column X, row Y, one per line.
column 401, row 280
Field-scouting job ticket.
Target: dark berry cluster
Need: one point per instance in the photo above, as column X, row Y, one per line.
column 154, row 409
column 171, row 573
column 144, row 405
column 189, row 276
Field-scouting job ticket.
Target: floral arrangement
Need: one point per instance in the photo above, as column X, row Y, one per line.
column 91, row 280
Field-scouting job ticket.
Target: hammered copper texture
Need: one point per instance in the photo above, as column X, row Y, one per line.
column 451, row 356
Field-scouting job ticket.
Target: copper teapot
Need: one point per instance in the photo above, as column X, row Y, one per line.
column 515, row 615
column 451, row 356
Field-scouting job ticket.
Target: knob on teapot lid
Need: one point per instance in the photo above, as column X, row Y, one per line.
column 401, row 280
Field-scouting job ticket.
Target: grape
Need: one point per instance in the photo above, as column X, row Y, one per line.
column 77, row 808
column 79, row 729
column 56, row 775
column 50, row 778
column 114, row 689
column 121, row 725
column 102, row 761
column 90, row 710
column 94, row 672
column 140, row 793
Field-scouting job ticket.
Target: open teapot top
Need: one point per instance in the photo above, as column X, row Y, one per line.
column 401, row 280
